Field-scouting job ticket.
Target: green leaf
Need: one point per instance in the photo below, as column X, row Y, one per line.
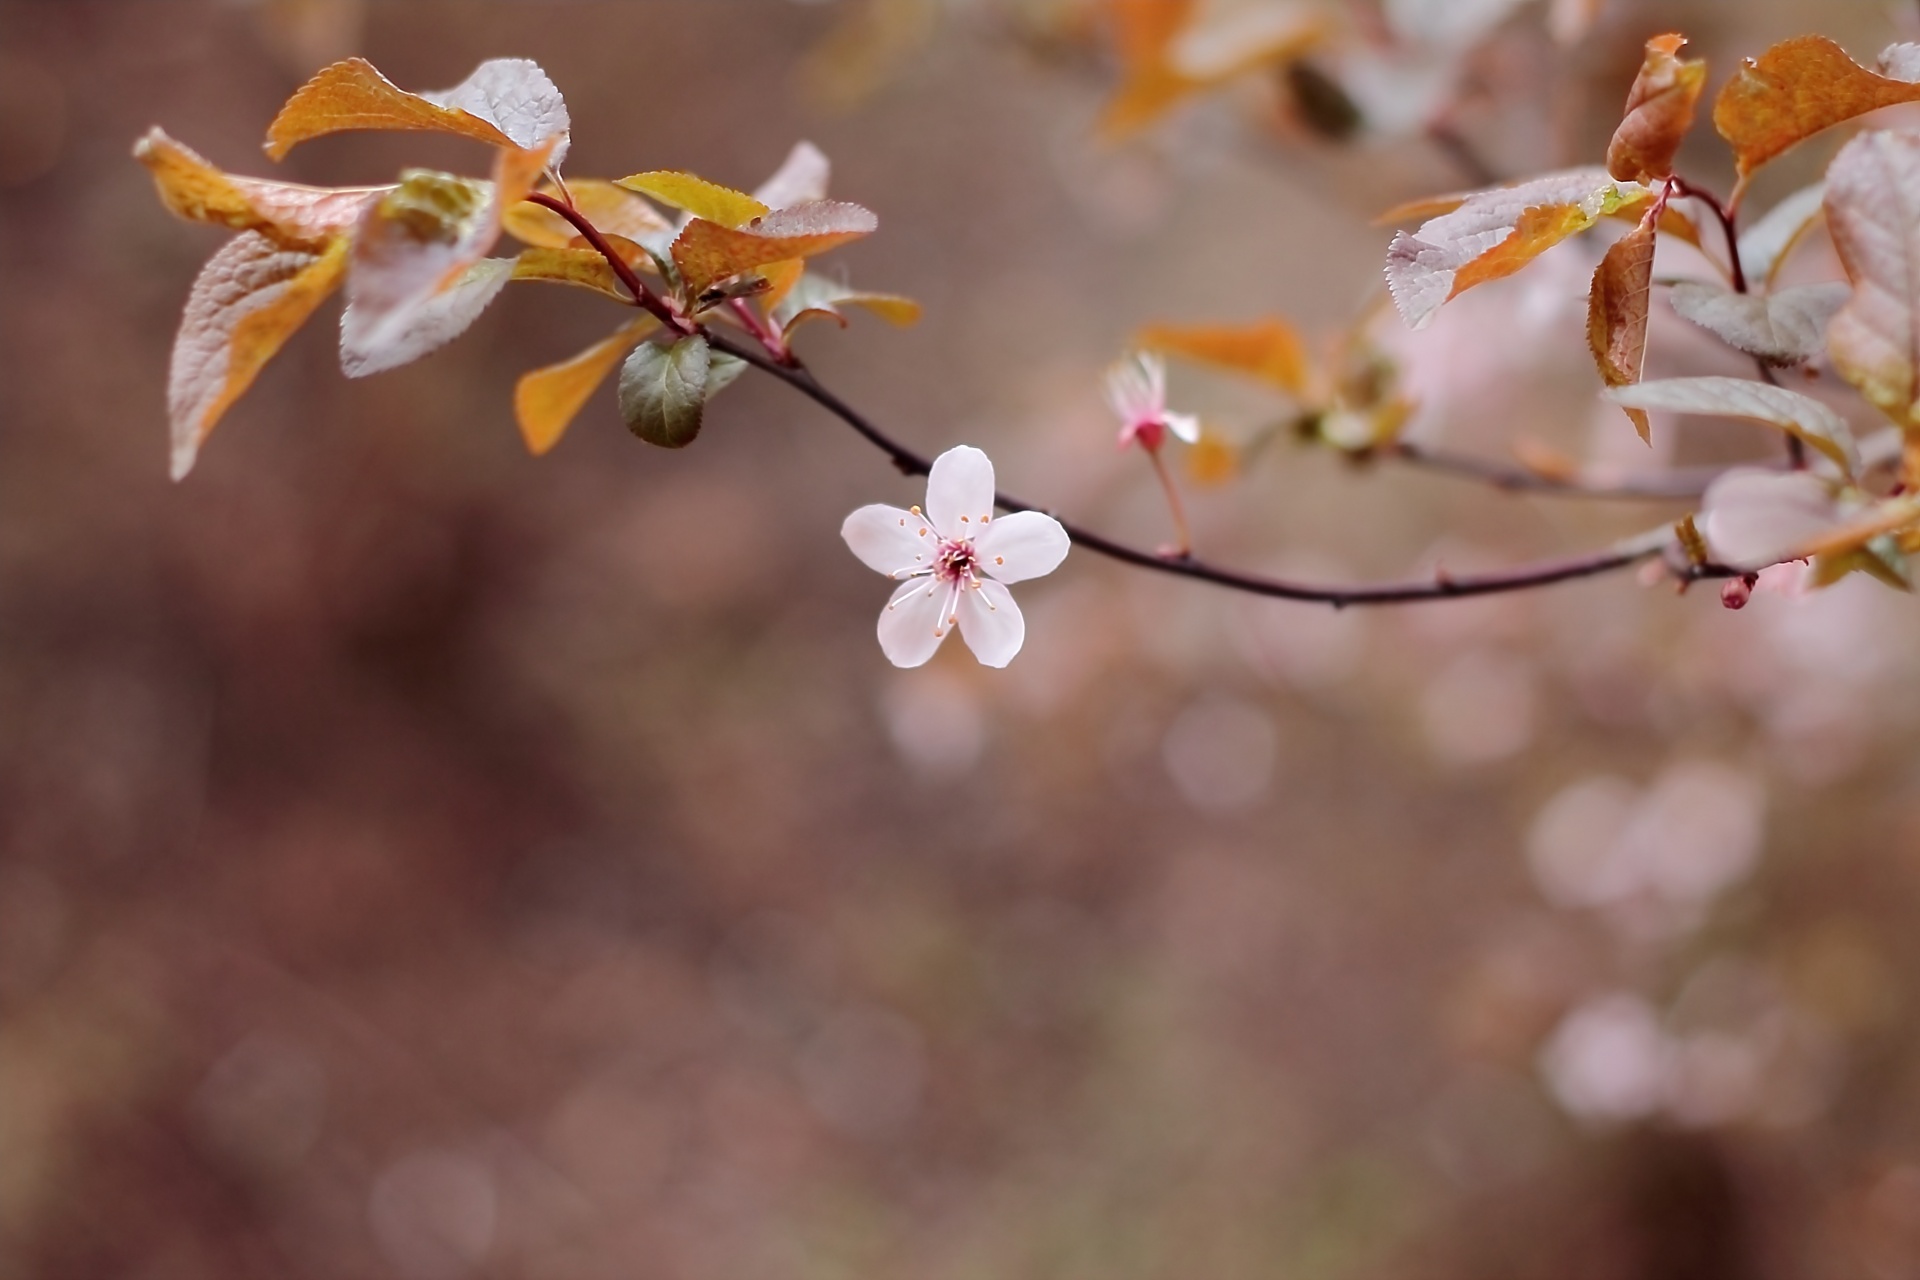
column 664, row 390
column 722, row 369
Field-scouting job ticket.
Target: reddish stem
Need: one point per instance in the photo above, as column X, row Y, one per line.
column 642, row 295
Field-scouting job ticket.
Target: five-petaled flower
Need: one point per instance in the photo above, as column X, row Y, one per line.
column 957, row 559
column 1137, row 390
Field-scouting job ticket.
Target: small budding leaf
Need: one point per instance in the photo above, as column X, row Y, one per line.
column 707, row 252
column 697, row 196
column 663, row 391
column 507, row 102
column 1766, row 243
column 1873, row 216
column 1803, row 416
column 1659, row 112
column 817, row 297
column 249, row 299
column 1783, row 327
column 1269, row 349
column 1495, row 233
column 1794, row 90
column 547, row 400
column 1617, row 313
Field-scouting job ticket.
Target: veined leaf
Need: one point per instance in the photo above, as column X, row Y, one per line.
column 707, row 252
column 1659, row 112
column 1799, row 415
column 1873, row 216
column 697, row 196
column 1794, row 90
column 547, row 400
column 1269, row 349
column 817, row 296
column 419, row 241
column 582, row 267
column 1617, row 313
column 1783, row 326
column 1752, row 519
column 311, row 217
column 612, row 209
column 436, row 321
column 507, row 102
column 801, row 179
column 1765, row 244
column 249, row 299
column 1495, row 233
column 663, row 391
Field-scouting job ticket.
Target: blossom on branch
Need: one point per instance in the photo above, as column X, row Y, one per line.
column 956, row 560
column 1137, row 390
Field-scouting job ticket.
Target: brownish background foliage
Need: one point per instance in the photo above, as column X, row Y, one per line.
column 420, row 860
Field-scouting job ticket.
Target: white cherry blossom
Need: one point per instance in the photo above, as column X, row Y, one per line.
column 1137, row 390
column 954, row 562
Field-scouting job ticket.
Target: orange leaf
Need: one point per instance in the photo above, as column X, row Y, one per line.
column 1538, row 229
column 1617, row 313
column 546, row 401
column 1269, row 349
column 311, row 217
column 1659, row 112
column 697, row 196
column 583, row 267
column 506, row 102
column 1166, row 56
column 248, row 300
column 1793, row 91
column 707, row 252
column 612, row 209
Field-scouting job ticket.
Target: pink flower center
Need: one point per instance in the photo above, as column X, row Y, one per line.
column 954, row 561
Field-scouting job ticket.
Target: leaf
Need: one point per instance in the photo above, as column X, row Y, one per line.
column 1166, row 55
column 707, row 252
column 1617, row 313
column 366, row 350
column 697, row 196
column 801, row 179
column 419, row 240
column 1659, row 112
column 1782, row 327
column 311, row 217
column 612, row 209
column 1495, row 233
column 507, row 102
column 817, row 296
column 1794, row 90
column 1766, row 243
column 1873, row 216
column 1752, row 519
column 1269, row 349
column 248, row 300
column 663, row 391
column 546, row 400
column 1451, row 24
column 1799, row 415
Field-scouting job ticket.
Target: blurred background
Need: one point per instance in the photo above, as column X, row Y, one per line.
column 421, row 860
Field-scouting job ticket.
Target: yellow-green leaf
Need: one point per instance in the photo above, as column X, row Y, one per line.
column 697, row 196
column 610, row 208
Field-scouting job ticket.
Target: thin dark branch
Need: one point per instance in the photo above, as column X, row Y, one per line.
column 1441, row 586
column 1680, row 484
column 1736, row 270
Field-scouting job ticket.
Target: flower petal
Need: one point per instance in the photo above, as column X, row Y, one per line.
column 889, row 540
column 1752, row 519
column 991, row 624
column 913, row 623
column 1026, row 544
column 1184, row 425
column 960, row 492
